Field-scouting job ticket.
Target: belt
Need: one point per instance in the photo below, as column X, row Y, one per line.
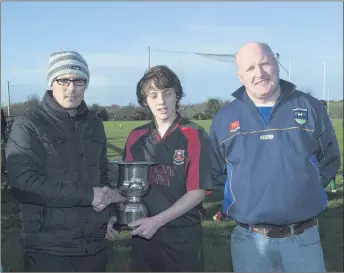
column 274, row 231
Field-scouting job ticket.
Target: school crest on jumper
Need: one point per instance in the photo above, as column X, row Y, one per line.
column 178, row 157
column 300, row 115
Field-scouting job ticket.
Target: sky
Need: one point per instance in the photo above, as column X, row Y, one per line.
column 114, row 38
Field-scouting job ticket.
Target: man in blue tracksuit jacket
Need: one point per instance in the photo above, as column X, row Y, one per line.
column 273, row 151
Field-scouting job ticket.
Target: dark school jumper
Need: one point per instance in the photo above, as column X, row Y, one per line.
column 184, row 165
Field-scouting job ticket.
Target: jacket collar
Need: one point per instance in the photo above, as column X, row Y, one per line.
column 173, row 126
column 286, row 89
column 51, row 106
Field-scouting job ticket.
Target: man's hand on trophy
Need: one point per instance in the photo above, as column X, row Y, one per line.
column 111, row 232
column 101, row 198
column 106, row 197
column 145, row 227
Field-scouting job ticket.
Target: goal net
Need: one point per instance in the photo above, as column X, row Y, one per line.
column 203, row 75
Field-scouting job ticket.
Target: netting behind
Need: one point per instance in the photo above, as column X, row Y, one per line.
column 203, row 76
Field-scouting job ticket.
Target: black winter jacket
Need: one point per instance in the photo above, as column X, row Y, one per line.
column 3, row 124
column 54, row 161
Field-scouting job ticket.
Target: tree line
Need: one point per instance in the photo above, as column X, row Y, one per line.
column 200, row 111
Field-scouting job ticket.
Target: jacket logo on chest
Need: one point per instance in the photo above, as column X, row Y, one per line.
column 234, row 126
column 300, row 115
column 178, row 157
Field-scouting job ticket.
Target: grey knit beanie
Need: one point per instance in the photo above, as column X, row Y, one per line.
column 66, row 62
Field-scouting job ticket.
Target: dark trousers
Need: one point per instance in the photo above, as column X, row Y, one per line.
column 38, row 262
column 170, row 250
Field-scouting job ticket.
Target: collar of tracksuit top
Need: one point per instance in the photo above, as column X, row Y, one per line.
column 287, row 88
column 268, row 166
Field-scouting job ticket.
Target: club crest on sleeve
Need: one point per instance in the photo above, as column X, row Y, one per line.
column 300, row 115
column 178, row 157
column 234, row 126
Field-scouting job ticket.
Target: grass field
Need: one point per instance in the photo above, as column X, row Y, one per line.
column 216, row 235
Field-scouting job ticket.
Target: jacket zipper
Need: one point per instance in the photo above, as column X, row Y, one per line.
column 278, row 102
column 82, row 227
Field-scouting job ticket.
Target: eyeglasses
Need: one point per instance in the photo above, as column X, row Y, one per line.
column 67, row 82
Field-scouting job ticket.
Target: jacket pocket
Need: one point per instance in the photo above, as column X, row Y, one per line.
column 97, row 221
column 56, row 147
column 309, row 237
column 57, row 218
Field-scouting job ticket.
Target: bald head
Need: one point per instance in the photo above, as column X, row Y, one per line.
column 251, row 48
column 258, row 70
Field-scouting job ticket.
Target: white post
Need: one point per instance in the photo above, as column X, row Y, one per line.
column 328, row 101
column 9, row 99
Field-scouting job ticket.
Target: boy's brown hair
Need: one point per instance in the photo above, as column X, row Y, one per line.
column 162, row 77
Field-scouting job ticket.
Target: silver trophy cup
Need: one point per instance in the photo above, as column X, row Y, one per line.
column 132, row 184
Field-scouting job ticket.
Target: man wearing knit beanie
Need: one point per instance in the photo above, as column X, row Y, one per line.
column 58, row 170
column 66, row 67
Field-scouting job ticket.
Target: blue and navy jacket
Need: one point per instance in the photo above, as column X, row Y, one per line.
column 273, row 172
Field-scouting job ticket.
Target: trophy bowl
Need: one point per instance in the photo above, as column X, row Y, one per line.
column 133, row 184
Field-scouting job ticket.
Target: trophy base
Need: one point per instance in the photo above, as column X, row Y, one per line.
column 121, row 227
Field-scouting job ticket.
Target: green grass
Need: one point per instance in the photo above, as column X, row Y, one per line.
column 117, row 132
column 338, row 127
column 216, row 235
column 336, row 109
